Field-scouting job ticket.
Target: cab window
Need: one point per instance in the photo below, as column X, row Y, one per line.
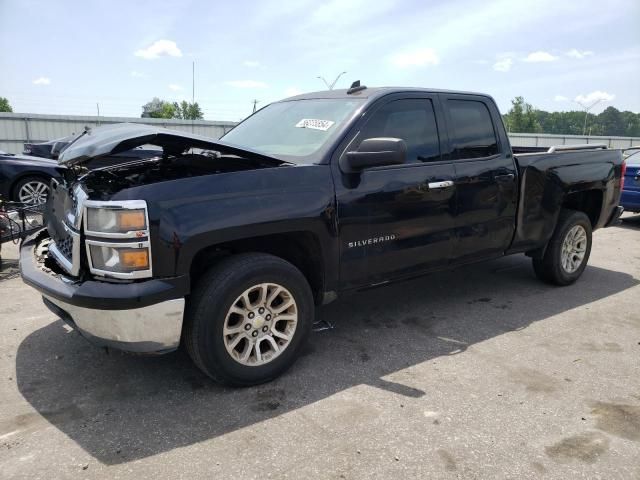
column 412, row 120
column 471, row 130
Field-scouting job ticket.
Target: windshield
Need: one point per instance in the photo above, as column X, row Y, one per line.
column 293, row 130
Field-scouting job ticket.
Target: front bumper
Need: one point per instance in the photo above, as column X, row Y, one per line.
column 152, row 329
column 141, row 317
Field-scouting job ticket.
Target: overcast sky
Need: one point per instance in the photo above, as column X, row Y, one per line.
column 120, row 54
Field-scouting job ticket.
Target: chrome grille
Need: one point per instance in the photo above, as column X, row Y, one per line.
column 66, row 247
column 64, row 227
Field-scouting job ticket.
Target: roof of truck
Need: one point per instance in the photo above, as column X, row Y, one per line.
column 374, row 92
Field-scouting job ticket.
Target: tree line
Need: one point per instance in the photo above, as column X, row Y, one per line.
column 524, row 118
column 157, row 108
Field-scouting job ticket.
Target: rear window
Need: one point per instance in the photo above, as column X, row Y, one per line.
column 633, row 159
column 471, row 129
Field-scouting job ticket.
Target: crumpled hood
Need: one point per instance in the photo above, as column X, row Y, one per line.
column 111, row 139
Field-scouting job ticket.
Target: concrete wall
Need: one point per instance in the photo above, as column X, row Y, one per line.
column 19, row 128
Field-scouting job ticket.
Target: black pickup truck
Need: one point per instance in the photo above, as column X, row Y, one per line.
column 228, row 245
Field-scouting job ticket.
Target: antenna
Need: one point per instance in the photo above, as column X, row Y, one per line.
column 356, row 87
column 255, row 103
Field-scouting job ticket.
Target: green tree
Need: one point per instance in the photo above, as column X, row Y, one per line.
column 188, row 111
column 631, row 122
column 522, row 118
column 157, row 108
column 610, row 122
column 4, row 105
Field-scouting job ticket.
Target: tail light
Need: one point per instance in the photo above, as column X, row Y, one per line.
column 622, row 174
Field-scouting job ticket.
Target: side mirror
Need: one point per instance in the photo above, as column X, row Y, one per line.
column 377, row 152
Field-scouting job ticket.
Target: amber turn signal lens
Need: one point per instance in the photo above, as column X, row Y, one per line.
column 131, row 220
column 135, row 258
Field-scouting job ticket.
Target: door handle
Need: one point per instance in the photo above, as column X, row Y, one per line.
column 507, row 177
column 443, row 184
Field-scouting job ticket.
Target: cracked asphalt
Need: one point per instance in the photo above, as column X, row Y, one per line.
column 482, row 372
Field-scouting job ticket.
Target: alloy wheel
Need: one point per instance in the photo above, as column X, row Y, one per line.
column 33, row 192
column 574, row 248
column 260, row 324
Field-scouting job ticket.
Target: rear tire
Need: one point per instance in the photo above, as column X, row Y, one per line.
column 568, row 250
column 248, row 318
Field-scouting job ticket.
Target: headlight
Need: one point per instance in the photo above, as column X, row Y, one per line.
column 114, row 220
column 117, row 238
column 119, row 259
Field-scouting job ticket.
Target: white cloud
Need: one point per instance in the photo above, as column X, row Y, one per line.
column 42, row 81
column 136, row 74
column 579, row 53
column 503, row 65
column 246, row 84
column 251, row 63
column 539, row 56
column 292, row 92
column 159, row 48
column 593, row 97
column 560, row 98
column 416, row 58
column 174, row 87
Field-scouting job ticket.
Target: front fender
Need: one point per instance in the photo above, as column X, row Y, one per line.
column 191, row 214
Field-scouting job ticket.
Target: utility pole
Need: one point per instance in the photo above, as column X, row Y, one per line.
column 586, row 109
column 193, row 82
column 332, row 84
column 98, row 108
column 255, row 102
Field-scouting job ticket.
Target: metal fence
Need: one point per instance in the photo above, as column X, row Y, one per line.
column 19, row 128
column 16, row 129
column 548, row 140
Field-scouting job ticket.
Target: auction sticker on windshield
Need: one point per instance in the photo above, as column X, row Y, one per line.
column 315, row 124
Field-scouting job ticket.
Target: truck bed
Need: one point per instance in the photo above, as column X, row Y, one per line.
column 548, row 179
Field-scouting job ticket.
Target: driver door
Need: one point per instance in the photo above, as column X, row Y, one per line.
column 397, row 220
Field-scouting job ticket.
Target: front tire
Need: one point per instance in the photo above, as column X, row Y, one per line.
column 247, row 319
column 568, row 250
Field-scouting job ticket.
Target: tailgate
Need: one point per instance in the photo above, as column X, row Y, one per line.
column 632, row 178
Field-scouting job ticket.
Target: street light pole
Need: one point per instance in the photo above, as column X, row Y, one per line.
column 586, row 112
column 332, row 84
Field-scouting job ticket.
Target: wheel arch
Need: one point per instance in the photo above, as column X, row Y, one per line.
column 26, row 174
column 589, row 201
column 300, row 248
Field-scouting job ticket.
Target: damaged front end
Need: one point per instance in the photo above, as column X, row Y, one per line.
column 93, row 264
column 111, row 238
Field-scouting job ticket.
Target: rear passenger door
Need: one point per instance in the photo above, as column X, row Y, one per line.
column 485, row 177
